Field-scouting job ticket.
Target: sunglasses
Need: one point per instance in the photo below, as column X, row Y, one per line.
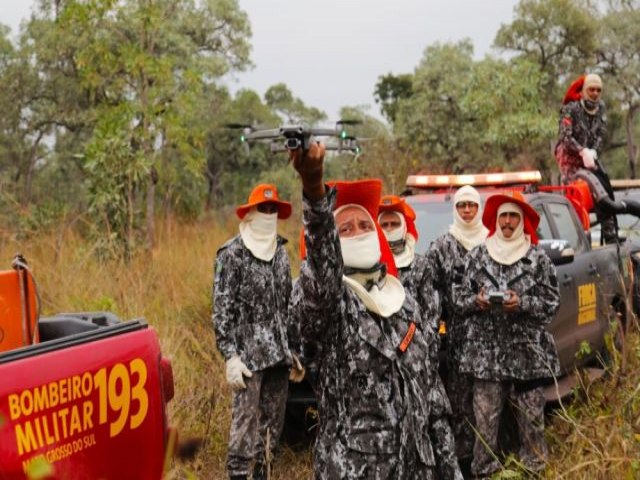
column 469, row 205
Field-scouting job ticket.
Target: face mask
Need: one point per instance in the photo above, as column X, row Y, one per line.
column 361, row 251
column 264, row 223
column 259, row 233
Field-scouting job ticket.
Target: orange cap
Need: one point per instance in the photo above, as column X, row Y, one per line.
column 490, row 214
column 394, row 203
column 265, row 193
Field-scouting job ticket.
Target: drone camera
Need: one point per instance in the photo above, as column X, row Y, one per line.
column 292, row 143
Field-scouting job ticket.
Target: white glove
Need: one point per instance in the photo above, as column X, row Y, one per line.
column 594, row 153
column 588, row 158
column 235, row 371
column 297, row 370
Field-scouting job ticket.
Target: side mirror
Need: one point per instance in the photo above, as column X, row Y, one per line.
column 559, row 251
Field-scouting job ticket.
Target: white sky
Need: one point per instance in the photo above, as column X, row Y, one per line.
column 330, row 53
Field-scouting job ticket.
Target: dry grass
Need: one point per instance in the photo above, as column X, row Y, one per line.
column 596, row 438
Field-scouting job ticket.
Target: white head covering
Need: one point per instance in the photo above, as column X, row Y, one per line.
column 259, row 233
column 473, row 233
column 385, row 296
column 508, row 251
column 406, row 256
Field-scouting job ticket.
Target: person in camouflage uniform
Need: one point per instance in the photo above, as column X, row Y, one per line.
column 446, row 255
column 509, row 293
column 379, row 397
column 252, row 288
column 582, row 132
column 397, row 220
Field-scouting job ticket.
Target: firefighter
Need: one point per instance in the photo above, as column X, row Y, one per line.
column 509, row 293
column 380, row 401
column 446, row 256
column 397, row 220
column 582, row 130
column 252, row 289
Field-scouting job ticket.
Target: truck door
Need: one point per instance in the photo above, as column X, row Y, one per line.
column 563, row 323
column 581, row 275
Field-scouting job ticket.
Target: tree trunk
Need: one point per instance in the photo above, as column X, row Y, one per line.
column 632, row 148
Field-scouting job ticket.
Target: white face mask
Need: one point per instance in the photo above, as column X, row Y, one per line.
column 259, row 233
column 361, row 251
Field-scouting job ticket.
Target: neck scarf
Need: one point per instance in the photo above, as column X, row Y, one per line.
column 259, row 233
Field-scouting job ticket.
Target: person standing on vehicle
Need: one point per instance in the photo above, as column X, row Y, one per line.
column 582, row 131
column 397, row 220
column 446, row 255
column 509, row 293
column 251, row 294
column 377, row 375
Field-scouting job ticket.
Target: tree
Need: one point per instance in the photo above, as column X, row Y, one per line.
column 618, row 52
column 389, row 90
column 292, row 109
column 557, row 35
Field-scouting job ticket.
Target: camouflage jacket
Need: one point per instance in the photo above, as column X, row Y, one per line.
column 251, row 299
column 446, row 256
column 504, row 346
column 578, row 130
column 417, row 282
column 373, row 398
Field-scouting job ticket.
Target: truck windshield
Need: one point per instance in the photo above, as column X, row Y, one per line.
column 432, row 220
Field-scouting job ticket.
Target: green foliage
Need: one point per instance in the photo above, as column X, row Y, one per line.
column 292, row 109
column 389, row 90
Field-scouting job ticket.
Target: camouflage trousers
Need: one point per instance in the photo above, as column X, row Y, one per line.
column 460, row 392
column 489, row 398
column 333, row 460
column 256, row 410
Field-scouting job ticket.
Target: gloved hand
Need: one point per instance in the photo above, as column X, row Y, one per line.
column 235, row 371
column 588, row 158
column 594, row 153
column 297, row 370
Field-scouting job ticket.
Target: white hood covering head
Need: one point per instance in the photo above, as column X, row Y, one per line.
column 508, row 251
column 381, row 295
column 405, row 257
column 473, row 233
column 259, row 233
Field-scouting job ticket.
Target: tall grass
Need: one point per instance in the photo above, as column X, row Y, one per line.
column 595, row 438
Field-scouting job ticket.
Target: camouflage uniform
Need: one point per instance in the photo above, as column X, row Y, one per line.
column 508, row 354
column 447, row 256
column 250, row 317
column 378, row 406
column 578, row 130
column 416, row 280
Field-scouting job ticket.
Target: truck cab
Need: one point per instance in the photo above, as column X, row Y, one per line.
column 85, row 394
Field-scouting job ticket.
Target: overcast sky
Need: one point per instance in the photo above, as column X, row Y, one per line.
column 330, row 53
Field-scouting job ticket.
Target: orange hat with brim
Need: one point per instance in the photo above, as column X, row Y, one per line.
column 394, row 203
column 265, row 193
column 490, row 214
column 365, row 193
column 574, row 92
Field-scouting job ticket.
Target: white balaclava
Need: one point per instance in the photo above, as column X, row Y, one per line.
column 468, row 234
column 591, row 80
column 508, row 251
column 405, row 257
column 381, row 295
column 259, row 233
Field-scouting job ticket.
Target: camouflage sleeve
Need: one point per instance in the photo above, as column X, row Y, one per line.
column 465, row 297
column 428, row 296
column 293, row 323
column 321, row 287
column 541, row 302
column 566, row 129
column 601, row 132
column 225, row 279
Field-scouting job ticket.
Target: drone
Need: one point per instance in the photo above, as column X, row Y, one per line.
column 292, row 137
